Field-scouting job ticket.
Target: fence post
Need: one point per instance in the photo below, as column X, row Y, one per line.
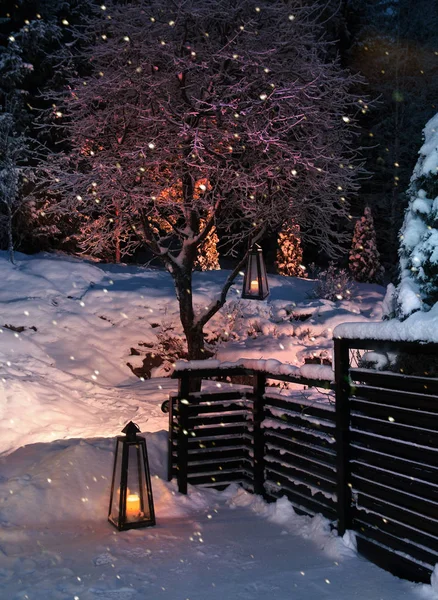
column 342, row 386
column 183, row 433
column 258, row 434
column 170, row 437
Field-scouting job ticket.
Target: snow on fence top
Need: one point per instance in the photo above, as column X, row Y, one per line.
column 271, row 366
column 419, row 327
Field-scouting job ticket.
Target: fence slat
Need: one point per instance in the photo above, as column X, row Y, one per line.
column 398, row 565
column 392, row 414
column 227, row 429
column 401, row 546
column 221, row 466
column 297, row 475
column 312, row 465
column 397, row 398
column 404, row 500
column 217, row 407
column 369, row 500
column 395, row 381
column 397, row 528
column 396, row 481
column 395, row 431
column 236, row 441
column 217, row 419
column 415, row 470
column 277, row 485
column 324, row 452
column 300, row 420
column 393, row 447
column 290, row 404
column 220, row 478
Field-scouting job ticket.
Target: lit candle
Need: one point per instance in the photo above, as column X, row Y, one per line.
column 133, row 505
column 254, row 286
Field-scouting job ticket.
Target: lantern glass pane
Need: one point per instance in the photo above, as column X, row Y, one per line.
column 137, row 496
column 148, row 507
column 134, row 498
column 253, row 276
column 263, row 278
column 115, row 504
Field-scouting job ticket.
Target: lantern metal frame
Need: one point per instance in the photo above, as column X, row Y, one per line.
column 117, row 514
column 255, row 281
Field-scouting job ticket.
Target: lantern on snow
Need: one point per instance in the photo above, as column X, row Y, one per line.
column 255, row 281
column 131, row 502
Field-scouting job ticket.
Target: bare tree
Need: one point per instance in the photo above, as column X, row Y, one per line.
column 237, row 95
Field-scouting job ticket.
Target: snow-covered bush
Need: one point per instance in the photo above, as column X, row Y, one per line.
column 418, row 287
column 364, row 257
column 290, row 253
column 388, row 302
column 333, row 284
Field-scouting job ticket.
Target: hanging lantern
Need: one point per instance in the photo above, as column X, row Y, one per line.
column 255, row 282
column 131, row 502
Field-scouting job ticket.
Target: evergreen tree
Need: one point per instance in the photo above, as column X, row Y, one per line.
column 290, row 253
column 208, row 255
column 418, row 287
column 364, row 257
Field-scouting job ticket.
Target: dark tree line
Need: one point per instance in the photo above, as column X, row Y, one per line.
column 394, row 44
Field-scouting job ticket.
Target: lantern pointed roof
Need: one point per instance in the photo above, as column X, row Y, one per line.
column 131, row 429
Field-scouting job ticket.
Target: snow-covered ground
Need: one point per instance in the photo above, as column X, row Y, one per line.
column 66, row 375
column 55, row 543
column 66, row 391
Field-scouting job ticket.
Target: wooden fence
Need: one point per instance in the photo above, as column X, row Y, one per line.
column 390, row 457
column 271, row 444
column 368, row 462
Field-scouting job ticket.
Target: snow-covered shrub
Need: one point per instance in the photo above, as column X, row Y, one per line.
column 156, row 359
column 225, row 325
column 374, row 360
column 418, row 287
column 290, row 253
column 333, row 284
column 364, row 257
column 388, row 302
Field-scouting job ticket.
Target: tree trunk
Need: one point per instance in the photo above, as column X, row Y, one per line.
column 195, row 344
column 118, row 255
column 117, row 237
column 194, row 334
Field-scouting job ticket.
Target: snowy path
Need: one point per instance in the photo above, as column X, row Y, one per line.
column 206, row 546
column 240, row 557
